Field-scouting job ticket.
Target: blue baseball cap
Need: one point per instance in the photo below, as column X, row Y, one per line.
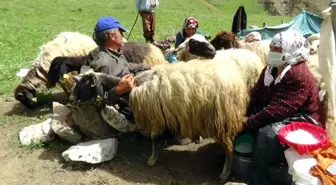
column 107, row 22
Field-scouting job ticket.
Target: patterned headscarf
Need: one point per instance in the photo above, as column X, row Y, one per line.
column 253, row 36
column 294, row 46
column 190, row 22
column 295, row 49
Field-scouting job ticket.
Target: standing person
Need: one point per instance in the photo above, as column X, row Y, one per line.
column 146, row 8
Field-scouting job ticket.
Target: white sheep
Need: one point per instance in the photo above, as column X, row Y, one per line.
column 79, row 49
column 314, row 41
column 65, row 44
column 205, row 98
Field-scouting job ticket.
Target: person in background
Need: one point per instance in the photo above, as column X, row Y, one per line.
column 189, row 28
column 146, row 9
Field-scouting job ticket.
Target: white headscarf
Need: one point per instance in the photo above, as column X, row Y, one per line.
column 295, row 49
column 253, row 36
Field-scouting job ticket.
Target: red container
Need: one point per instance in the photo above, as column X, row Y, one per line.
column 319, row 133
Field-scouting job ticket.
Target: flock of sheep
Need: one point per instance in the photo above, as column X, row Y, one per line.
column 205, row 94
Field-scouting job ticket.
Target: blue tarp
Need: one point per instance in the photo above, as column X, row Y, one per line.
column 307, row 23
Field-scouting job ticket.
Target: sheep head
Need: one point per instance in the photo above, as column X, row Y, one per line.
column 314, row 41
column 87, row 87
column 224, row 40
column 25, row 96
column 196, row 46
column 203, row 49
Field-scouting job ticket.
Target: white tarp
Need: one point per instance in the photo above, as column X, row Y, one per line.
column 327, row 63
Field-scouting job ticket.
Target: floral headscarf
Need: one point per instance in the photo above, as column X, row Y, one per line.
column 253, row 36
column 295, row 49
column 190, row 22
column 294, row 46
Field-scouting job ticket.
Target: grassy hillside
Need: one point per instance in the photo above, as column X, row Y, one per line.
column 26, row 25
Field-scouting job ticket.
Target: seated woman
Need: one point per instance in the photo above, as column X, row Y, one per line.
column 286, row 91
column 189, row 28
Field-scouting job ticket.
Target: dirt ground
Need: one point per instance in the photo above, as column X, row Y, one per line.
column 192, row 164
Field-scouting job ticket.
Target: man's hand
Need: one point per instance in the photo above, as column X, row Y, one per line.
column 125, row 85
column 153, row 4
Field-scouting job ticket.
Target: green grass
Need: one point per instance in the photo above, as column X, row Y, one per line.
column 26, row 25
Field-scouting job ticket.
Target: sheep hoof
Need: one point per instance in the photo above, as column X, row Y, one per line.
column 224, row 177
column 151, row 162
column 199, row 140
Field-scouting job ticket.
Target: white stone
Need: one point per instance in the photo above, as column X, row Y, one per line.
column 41, row 132
column 22, row 73
column 93, row 152
column 60, row 126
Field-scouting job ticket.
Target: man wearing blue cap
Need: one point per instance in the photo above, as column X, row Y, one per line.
column 108, row 34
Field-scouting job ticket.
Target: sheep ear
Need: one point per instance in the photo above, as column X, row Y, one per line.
column 76, row 78
column 19, row 96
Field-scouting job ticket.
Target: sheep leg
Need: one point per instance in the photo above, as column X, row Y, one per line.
column 226, row 168
column 153, row 158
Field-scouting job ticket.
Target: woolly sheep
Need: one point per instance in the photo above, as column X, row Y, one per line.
column 211, row 95
column 314, row 41
column 65, row 44
column 134, row 52
column 68, row 52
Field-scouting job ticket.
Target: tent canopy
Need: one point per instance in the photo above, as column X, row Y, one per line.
column 307, row 23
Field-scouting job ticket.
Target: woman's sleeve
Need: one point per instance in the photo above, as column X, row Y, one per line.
column 283, row 104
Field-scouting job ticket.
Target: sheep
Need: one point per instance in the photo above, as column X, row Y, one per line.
column 68, row 52
column 205, row 98
column 226, row 40
column 194, row 47
column 134, row 52
column 314, row 41
column 65, row 44
column 138, row 52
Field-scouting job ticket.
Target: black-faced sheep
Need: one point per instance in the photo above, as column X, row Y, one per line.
column 195, row 47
